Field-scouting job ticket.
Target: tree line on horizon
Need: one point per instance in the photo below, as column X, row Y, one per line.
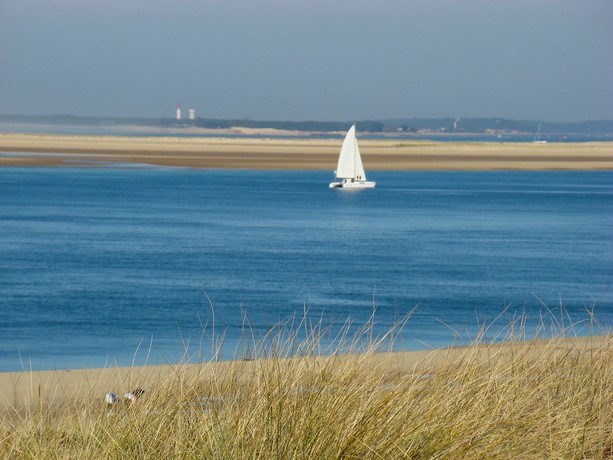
column 408, row 125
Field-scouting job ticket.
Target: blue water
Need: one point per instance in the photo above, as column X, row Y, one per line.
column 98, row 263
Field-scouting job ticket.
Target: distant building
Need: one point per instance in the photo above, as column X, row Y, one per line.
column 192, row 114
column 178, row 110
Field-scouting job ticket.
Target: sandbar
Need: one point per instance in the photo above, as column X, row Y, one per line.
column 263, row 153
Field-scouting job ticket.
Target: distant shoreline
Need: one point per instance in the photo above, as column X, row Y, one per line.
column 297, row 153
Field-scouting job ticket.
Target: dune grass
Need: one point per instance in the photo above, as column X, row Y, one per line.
column 521, row 399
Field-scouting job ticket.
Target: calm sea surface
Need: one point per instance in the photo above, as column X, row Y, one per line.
column 95, row 261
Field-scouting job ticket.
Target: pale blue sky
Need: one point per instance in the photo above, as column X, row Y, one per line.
column 309, row 60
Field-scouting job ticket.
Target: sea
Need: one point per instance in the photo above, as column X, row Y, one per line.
column 133, row 264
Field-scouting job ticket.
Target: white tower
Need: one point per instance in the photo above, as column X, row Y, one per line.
column 178, row 110
column 192, row 114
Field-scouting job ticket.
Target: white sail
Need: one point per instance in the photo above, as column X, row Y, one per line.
column 349, row 160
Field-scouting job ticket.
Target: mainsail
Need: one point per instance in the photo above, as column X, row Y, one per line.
column 349, row 160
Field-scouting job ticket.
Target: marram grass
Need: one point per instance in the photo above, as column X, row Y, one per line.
column 522, row 399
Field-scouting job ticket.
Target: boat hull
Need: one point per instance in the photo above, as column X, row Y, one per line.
column 358, row 184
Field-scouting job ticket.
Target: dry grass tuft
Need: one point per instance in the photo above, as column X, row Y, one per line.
column 530, row 399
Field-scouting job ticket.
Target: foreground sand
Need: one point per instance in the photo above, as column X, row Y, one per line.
column 309, row 154
column 28, row 389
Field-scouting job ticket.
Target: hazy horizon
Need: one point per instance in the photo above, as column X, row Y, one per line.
column 290, row 60
column 184, row 118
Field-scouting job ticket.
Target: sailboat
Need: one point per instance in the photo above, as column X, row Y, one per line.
column 350, row 172
column 537, row 136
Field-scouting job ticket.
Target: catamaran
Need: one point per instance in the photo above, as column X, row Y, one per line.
column 350, row 172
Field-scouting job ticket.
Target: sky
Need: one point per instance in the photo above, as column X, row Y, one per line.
column 324, row 60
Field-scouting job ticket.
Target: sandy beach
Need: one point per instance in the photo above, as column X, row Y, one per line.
column 28, row 389
column 298, row 153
